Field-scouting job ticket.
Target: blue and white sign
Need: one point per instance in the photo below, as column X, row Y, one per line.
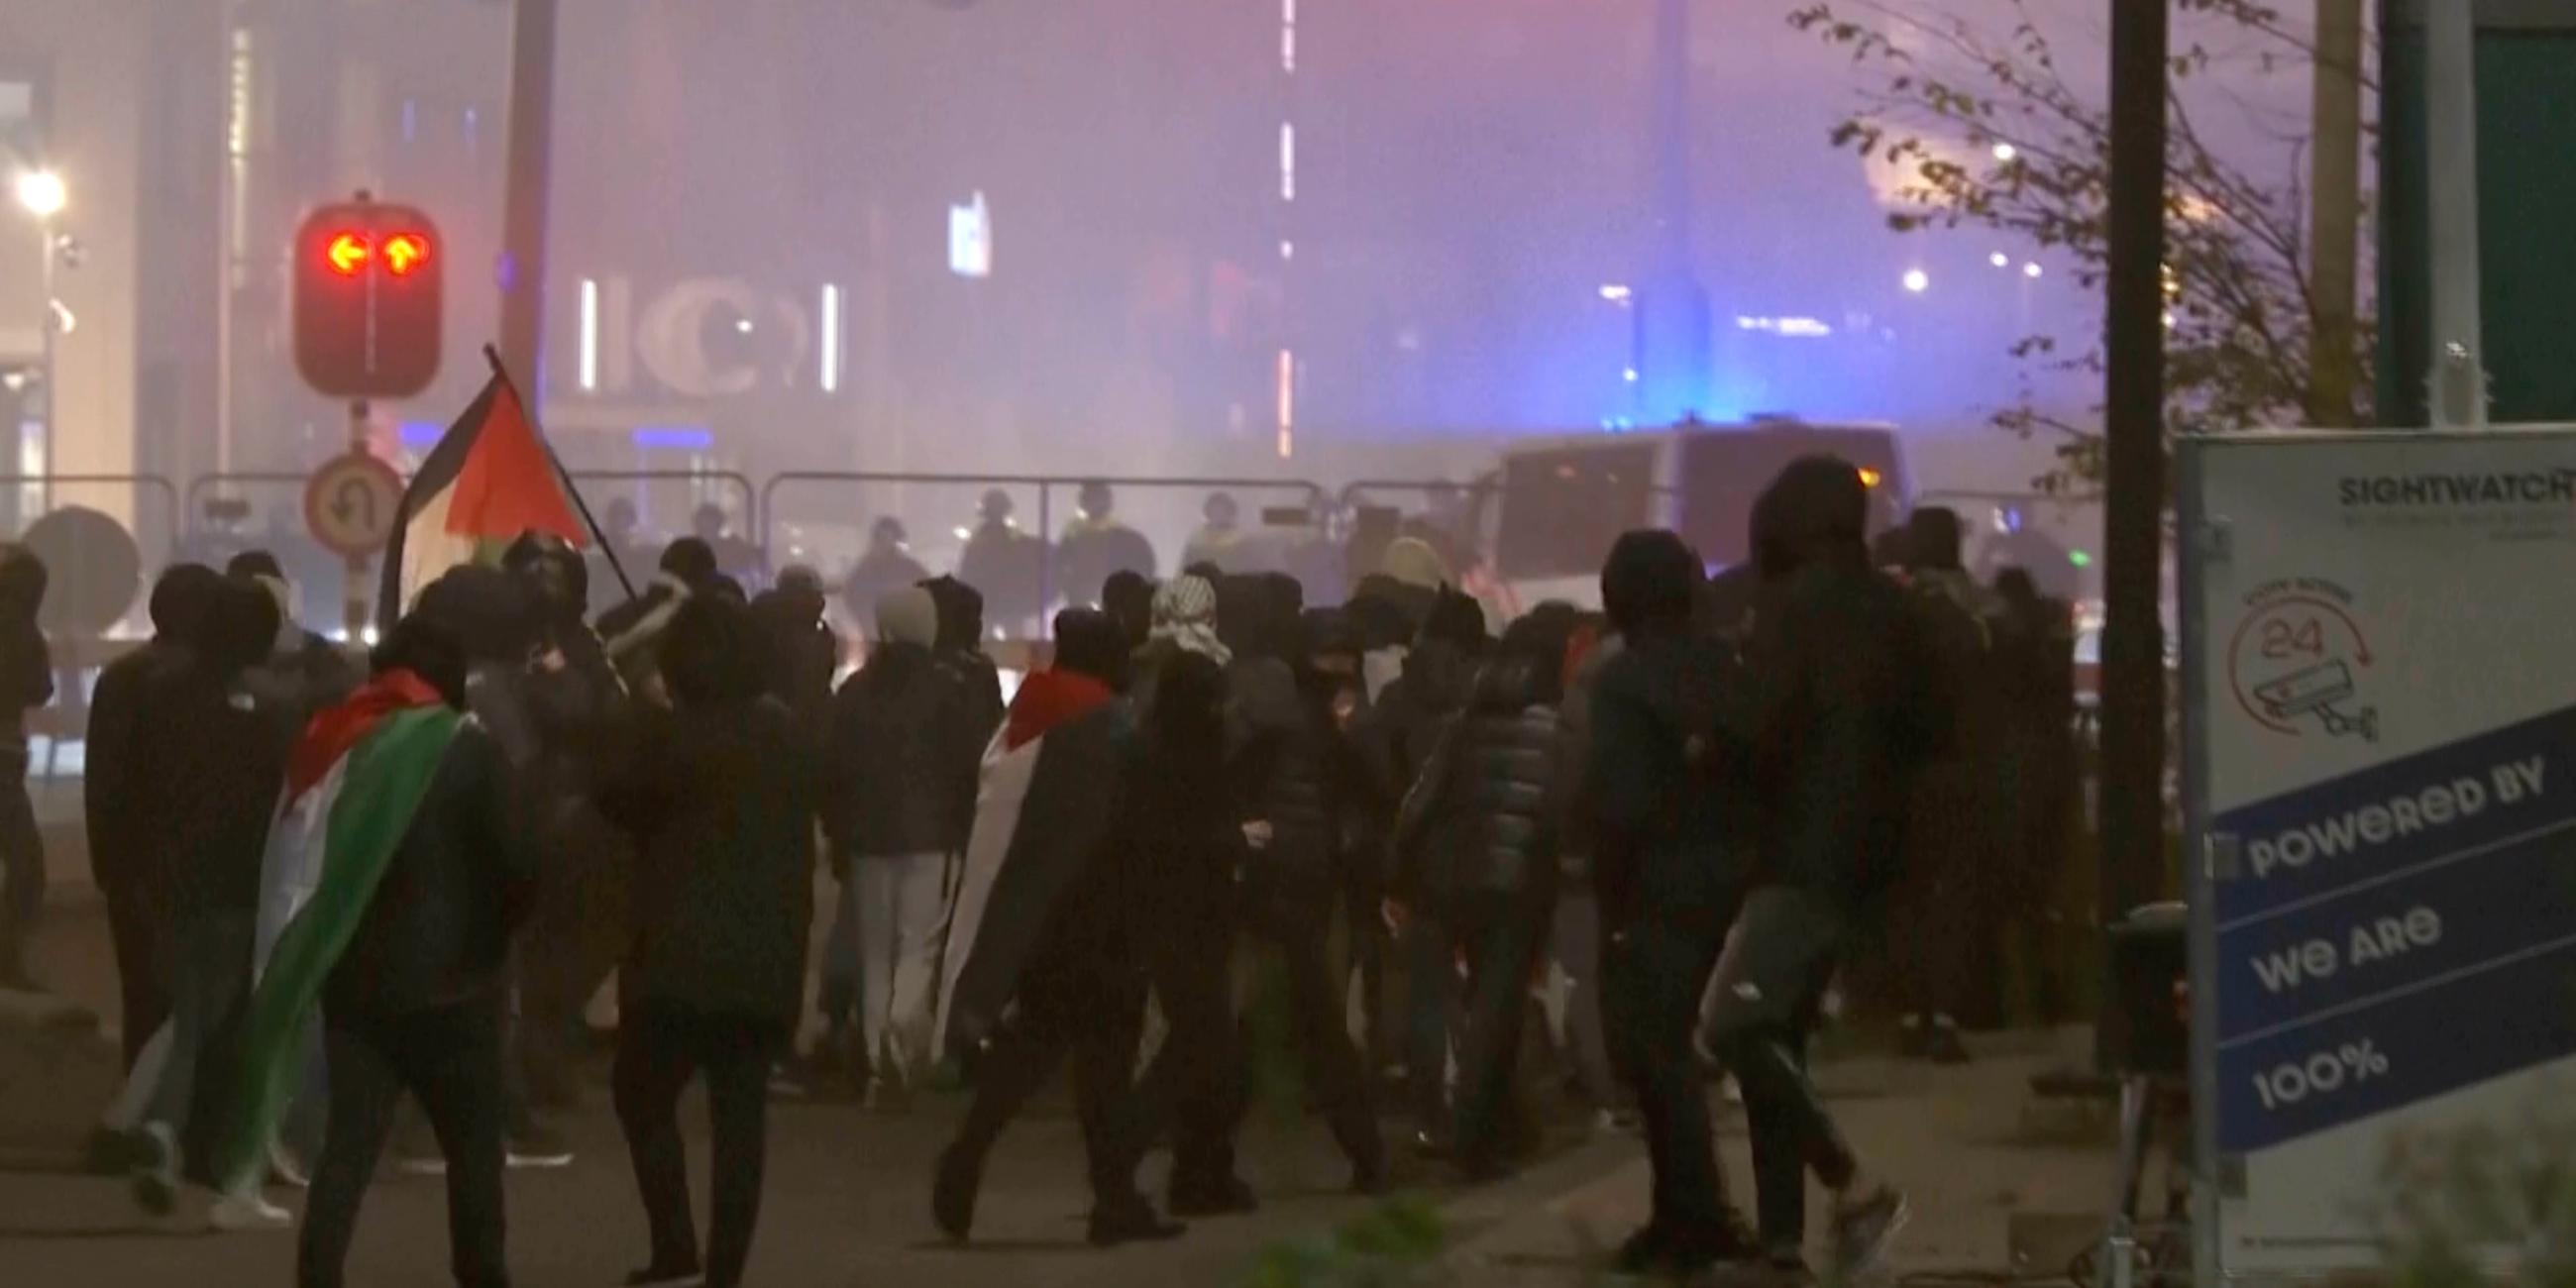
column 2380, row 744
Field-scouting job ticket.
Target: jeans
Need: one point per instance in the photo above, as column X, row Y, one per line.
column 22, row 869
column 1576, row 943
column 1499, row 934
column 212, row 979
column 1654, row 970
column 1433, row 1004
column 450, row 1060
column 843, row 969
column 1769, row 984
column 1295, row 917
column 903, row 924
column 659, row 1048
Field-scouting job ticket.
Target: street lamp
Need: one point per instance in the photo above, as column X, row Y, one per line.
column 42, row 194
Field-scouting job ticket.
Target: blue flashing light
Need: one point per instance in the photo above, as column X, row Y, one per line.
column 420, row 434
column 684, row 438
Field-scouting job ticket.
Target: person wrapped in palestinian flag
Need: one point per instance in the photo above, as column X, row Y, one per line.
column 401, row 819
column 1042, row 956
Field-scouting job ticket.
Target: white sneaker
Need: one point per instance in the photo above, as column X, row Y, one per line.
column 248, row 1211
column 286, row 1170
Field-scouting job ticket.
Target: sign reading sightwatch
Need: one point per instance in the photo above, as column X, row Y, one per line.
column 2379, row 660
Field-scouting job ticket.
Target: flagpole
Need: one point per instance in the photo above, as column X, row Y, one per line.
column 502, row 373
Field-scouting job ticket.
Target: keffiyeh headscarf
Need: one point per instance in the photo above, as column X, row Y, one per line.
column 1185, row 615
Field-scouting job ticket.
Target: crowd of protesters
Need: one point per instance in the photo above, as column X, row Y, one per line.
column 1693, row 816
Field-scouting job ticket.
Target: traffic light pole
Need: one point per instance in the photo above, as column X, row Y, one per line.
column 354, row 600
column 523, row 216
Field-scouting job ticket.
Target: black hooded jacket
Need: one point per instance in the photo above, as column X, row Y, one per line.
column 906, row 734
column 1483, row 819
column 1841, row 709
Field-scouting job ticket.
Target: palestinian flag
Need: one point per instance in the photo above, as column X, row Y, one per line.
column 490, row 479
column 353, row 782
column 1042, row 812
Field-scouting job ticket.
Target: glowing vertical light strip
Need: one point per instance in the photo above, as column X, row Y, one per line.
column 1287, row 404
column 831, row 338
column 589, row 335
column 1288, row 36
column 1287, row 161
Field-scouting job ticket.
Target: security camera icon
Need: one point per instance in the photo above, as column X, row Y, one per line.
column 2323, row 691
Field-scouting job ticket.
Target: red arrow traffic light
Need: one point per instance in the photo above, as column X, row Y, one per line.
column 367, row 300
column 347, row 254
column 405, row 253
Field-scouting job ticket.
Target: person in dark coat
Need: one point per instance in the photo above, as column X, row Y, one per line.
column 318, row 671
column 217, row 757
column 802, row 651
column 906, row 736
column 1096, row 544
column 2035, row 665
column 961, row 643
column 631, row 632
column 416, row 1003
column 1839, row 712
column 1395, row 741
column 1128, row 598
column 1005, row 564
column 1665, row 815
column 26, row 682
column 1477, row 844
column 1082, row 986
column 886, row 567
column 720, row 798
column 119, row 802
column 1297, row 772
column 553, row 668
column 1183, row 819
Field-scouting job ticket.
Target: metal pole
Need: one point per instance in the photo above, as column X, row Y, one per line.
column 523, row 217
column 2335, row 215
column 2458, row 373
column 2133, row 676
column 51, row 336
column 354, row 618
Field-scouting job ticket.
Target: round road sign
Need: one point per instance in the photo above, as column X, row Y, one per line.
column 350, row 504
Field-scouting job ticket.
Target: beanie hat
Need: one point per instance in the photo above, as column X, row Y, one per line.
column 908, row 616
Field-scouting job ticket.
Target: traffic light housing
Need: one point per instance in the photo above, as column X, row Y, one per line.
column 368, row 300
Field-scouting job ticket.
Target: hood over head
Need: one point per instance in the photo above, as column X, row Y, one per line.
column 181, row 598
column 961, row 613
column 1650, row 583
column 1817, row 508
column 1090, row 642
column 1933, row 540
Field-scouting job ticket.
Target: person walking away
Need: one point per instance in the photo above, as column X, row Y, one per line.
column 1128, row 598
column 1665, row 816
column 316, row 671
column 1185, row 827
column 1437, row 680
column 2035, row 665
column 1839, row 711
column 961, row 646
column 126, row 827
column 801, row 652
column 417, row 993
column 1574, row 940
column 26, row 681
column 1300, row 778
column 1944, row 912
column 906, row 737
column 720, row 799
column 541, row 672
column 217, row 757
column 1080, row 986
column 1476, row 846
